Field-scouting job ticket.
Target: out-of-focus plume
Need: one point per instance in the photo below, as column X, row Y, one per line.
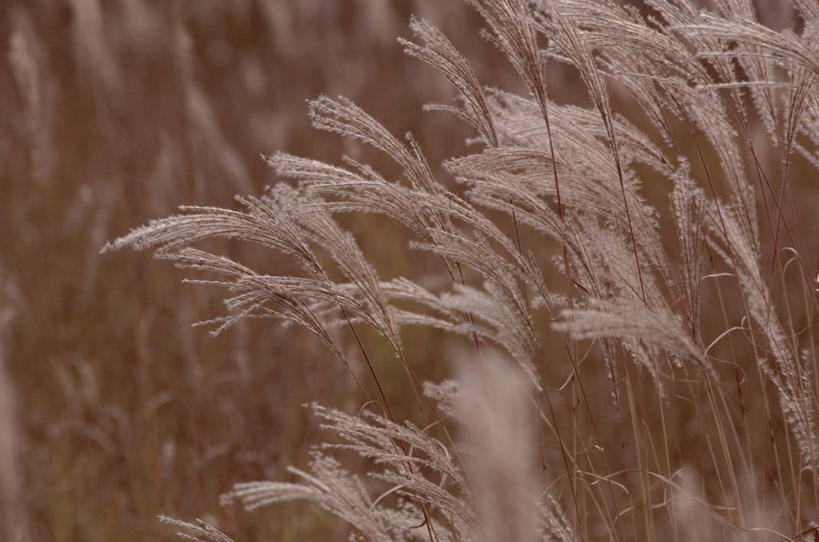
column 12, row 522
column 500, row 449
column 209, row 142
column 92, row 51
column 25, row 55
column 691, row 512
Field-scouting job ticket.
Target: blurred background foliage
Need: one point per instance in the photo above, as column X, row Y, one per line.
column 117, row 112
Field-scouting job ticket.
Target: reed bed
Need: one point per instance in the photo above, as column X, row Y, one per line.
column 594, row 320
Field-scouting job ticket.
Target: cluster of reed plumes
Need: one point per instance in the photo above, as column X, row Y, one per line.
column 636, row 255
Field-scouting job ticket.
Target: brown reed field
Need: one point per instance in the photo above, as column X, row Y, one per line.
column 576, row 300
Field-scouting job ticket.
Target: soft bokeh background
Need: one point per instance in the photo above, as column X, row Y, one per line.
column 116, row 112
column 112, row 408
